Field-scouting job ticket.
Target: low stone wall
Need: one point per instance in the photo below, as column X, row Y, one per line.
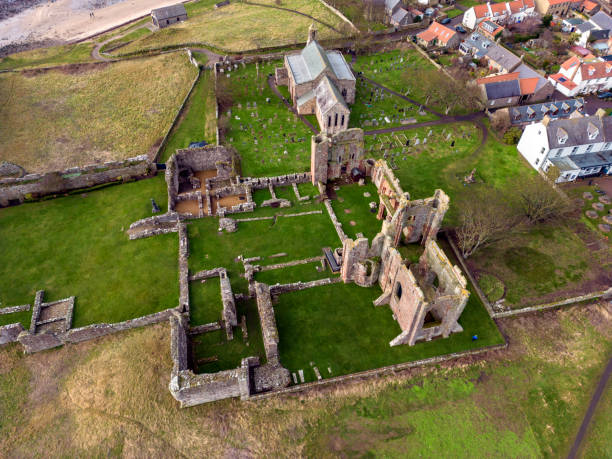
column 193, row 389
column 289, row 263
column 258, row 183
column 12, row 309
column 183, row 268
column 295, row 286
column 335, row 221
column 10, row 333
column 32, row 186
column 152, row 226
column 388, row 370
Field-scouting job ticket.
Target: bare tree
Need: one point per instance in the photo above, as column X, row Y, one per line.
column 484, row 217
column 540, row 202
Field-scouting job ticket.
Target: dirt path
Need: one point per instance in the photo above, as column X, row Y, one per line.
column 601, row 386
column 275, row 90
column 97, row 54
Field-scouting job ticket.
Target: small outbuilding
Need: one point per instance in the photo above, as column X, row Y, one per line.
column 168, row 15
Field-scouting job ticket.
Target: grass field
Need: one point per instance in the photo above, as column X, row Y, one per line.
column 453, row 13
column 263, row 134
column 77, row 245
column 337, row 327
column 353, row 210
column 598, row 442
column 239, row 26
column 298, row 237
column 63, row 118
column 213, row 352
column 131, row 36
column 47, row 57
column 82, row 400
column 198, row 121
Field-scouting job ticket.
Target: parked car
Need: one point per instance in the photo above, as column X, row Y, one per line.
column 600, row 192
column 460, row 29
column 445, row 21
column 604, row 95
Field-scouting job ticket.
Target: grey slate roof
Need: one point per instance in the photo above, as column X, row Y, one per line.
column 503, row 57
column 577, row 128
column 313, row 60
column 520, row 115
column 585, row 27
column 502, row 89
column 391, row 4
column 586, row 160
column 328, row 95
column 601, row 20
column 171, row 11
column 564, row 164
column 399, row 15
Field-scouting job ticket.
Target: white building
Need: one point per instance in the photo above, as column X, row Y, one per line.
column 582, row 76
column 501, row 13
column 594, row 29
column 577, row 147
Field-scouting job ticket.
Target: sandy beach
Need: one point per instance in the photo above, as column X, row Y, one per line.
column 69, row 20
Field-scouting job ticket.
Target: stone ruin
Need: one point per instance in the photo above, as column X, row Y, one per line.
column 426, row 298
column 332, row 156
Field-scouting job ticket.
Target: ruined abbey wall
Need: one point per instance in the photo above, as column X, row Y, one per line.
column 334, row 155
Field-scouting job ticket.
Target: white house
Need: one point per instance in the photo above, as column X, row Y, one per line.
column 501, row 13
column 577, row 147
column 582, row 76
column 594, row 28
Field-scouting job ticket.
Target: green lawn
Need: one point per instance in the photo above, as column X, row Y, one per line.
column 304, row 273
column 298, row 237
column 453, row 13
column 205, row 305
column 47, row 57
column 263, row 134
column 226, row 355
column 337, row 327
column 598, row 441
column 198, row 120
column 352, row 206
column 77, row 245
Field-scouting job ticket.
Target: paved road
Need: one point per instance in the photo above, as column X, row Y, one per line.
column 601, row 386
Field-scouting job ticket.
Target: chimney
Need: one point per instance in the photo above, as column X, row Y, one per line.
column 312, row 33
column 600, row 113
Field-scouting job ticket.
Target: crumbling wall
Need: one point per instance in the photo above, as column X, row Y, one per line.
column 15, row 190
column 152, row 226
column 229, row 306
column 193, row 389
column 332, row 156
column 272, row 375
column 183, row 268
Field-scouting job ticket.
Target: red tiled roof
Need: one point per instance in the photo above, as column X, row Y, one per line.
column 588, row 5
column 498, row 78
column 528, row 85
column 557, row 2
column 498, row 8
column 594, row 70
column 481, row 11
column 562, row 80
column 437, row 30
column 571, row 62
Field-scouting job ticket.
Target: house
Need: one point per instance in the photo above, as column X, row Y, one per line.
column 582, row 76
column 168, row 15
column 438, row 35
column 508, row 89
column 395, row 13
column 501, row 13
column 490, row 30
column 320, row 83
column 596, row 28
column 558, row 8
column 526, row 114
column 577, row 147
column 416, row 15
column 569, row 25
column 499, row 59
column 590, row 7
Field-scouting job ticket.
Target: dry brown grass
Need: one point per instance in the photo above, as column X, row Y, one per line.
column 109, row 397
column 82, row 114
